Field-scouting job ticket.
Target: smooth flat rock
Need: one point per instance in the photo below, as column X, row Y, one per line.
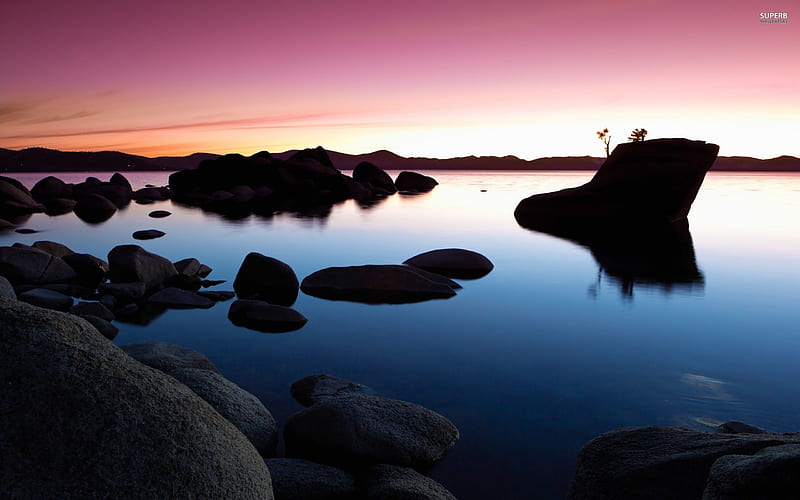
column 453, row 263
column 147, row 234
column 241, row 408
column 639, row 463
column 180, row 299
column 49, row 299
column 315, row 388
column 131, row 263
column 80, row 419
column 159, row 214
column 298, row 479
column 264, row 278
column 168, row 357
column 364, row 429
column 375, row 284
column 400, row 483
column 33, row 266
column 265, row 317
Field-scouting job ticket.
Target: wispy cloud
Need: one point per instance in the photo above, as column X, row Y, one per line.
column 61, row 118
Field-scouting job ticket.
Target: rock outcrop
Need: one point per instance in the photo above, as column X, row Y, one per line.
column 268, row 279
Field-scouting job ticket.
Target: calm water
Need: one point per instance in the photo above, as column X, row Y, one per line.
column 530, row 361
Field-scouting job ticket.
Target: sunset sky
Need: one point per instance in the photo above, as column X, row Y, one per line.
column 418, row 77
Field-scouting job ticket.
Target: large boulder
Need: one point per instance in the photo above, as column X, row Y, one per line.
column 377, row 284
column 769, row 474
column 639, row 463
column 453, row 263
column 168, row 357
column 315, row 388
column 53, row 248
column 376, row 176
column 81, row 419
column 241, row 408
column 353, row 429
column 33, row 266
column 16, row 199
column 400, row 483
column 132, row 263
column 103, row 326
column 412, row 182
column 298, row 479
column 264, row 317
column 6, row 289
column 90, row 269
column 51, row 187
column 94, row 208
column 647, row 181
column 264, row 278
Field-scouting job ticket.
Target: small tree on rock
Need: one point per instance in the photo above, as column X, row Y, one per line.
column 604, row 136
column 637, row 135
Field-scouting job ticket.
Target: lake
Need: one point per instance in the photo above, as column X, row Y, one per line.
column 544, row 353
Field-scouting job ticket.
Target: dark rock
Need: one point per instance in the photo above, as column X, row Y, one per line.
column 25, row 230
column 168, row 357
column 129, row 263
column 658, row 462
column 734, row 427
column 264, row 317
column 298, row 479
column 139, row 314
column 316, row 155
column 151, row 194
column 103, row 326
column 371, row 174
column 204, row 271
column 208, row 283
column 414, row 182
column 71, row 289
column 92, row 309
column 148, row 234
column 6, row 289
column 15, row 183
column 217, row 296
column 80, row 419
column 51, row 187
column 241, row 408
column 94, row 208
column 34, row 266
column 191, row 283
column 375, row 284
column 315, row 388
column 188, row 267
column 59, row 206
column 641, row 181
column 362, row 429
column 159, row 214
column 49, row 299
column 109, row 301
column 5, row 225
column 264, row 278
column 119, row 180
column 130, row 291
column 15, row 198
column 53, row 248
column 90, row 270
column 180, row 299
column 769, row 474
column 453, row 263
column 400, row 483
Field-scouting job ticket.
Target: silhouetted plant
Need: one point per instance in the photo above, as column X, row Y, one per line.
column 604, row 136
column 637, row 135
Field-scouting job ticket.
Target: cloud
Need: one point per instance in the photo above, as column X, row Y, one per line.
column 61, row 118
column 19, row 108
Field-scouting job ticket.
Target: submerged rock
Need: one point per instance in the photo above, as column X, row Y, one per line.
column 377, row 284
column 80, row 419
column 453, row 263
column 363, row 429
column 298, row 479
column 264, row 278
column 265, row 317
column 241, row 408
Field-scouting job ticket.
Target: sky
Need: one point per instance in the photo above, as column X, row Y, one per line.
column 417, row 77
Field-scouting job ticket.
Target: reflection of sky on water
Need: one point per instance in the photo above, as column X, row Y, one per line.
column 525, row 361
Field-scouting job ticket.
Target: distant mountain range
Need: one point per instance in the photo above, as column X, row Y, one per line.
column 50, row 160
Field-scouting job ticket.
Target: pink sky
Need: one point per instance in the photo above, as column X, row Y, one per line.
column 426, row 78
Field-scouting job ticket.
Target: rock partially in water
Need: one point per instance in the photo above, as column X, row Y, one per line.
column 265, row 317
column 33, row 266
column 26, row 230
column 120, row 180
column 734, row 427
column 94, row 208
column 241, row 408
column 168, row 357
column 49, row 299
column 376, row 284
column 188, row 267
column 298, row 479
column 59, row 206
column 376, row 176
column 147, row 234
column 131, row 263
column 80, row 419
column 412, row 182
column 151, row 194
column 453, row 263
column 315, row 388
column 400, row 483
column 264, row 278
column 49, row 188
column 91, row 270
column 159, row 214
column 364, row 429
column 16, row 199
column 176, row 298
column 639, row 463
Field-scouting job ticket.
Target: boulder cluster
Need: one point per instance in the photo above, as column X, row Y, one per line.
column 84, row 418
column 307, row 183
